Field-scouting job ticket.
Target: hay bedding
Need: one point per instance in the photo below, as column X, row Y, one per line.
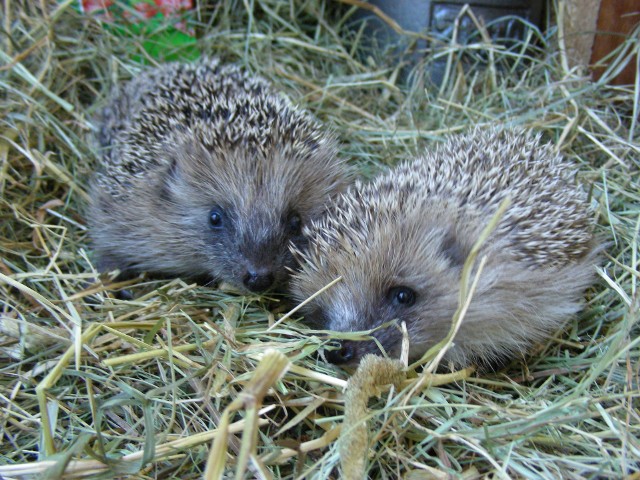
column 183, row 381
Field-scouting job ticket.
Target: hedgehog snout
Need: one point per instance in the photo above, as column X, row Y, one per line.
column 261, row 264
column 349, row 352
column 345, row 353
column 258, row 279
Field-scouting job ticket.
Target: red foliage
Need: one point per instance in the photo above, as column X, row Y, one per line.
column 147, row 9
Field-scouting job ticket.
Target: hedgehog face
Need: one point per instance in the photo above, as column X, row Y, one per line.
column 246, row 206
column 397, row 266
column 248, row 247
column 251, row 253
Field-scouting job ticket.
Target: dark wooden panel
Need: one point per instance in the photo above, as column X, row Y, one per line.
column 616, row 20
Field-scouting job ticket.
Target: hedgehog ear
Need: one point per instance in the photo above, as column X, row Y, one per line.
column 453, row 249
column 176, row 169
column 180, row 159
column 169, row 179
column 173, row 171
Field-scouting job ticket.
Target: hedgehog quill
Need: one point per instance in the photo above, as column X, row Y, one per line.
column 400, row 241
column 207, row 172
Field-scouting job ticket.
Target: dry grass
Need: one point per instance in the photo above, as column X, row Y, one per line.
column 184, row 381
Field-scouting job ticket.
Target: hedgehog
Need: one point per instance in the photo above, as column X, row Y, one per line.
column 208, row 173
column 400, row 241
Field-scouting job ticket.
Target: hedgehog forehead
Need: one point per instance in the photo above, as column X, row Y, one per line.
column 239, row 178
column 370, row 212
column 374, row 256
column 260, row 194
column 368, row 275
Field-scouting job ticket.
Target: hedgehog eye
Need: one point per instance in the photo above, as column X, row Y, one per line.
column 294, row 223
column 403, row 296
column 215, row 218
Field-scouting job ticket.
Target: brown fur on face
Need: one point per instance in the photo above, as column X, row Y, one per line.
column 185, row 140
column 411, row 229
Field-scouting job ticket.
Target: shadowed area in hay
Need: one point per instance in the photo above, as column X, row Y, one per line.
column 182, row 380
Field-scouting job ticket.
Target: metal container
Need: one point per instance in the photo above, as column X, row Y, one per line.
column 506, row 22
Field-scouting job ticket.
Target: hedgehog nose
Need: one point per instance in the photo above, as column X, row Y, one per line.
column 258, row 280
column 343, row 354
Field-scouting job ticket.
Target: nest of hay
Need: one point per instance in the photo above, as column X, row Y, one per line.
column 184, row 381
